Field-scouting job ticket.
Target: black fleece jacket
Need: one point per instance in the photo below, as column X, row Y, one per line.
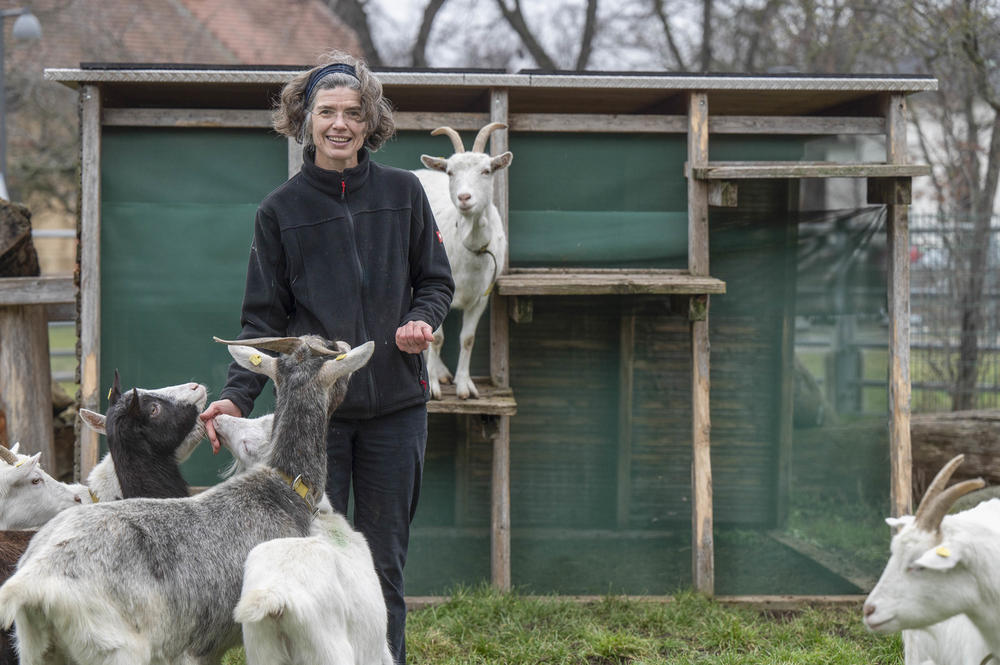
column 349, row 256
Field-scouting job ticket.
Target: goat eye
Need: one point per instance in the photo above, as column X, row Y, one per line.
column 154, row 409
column 36, row 481
column 486, row 171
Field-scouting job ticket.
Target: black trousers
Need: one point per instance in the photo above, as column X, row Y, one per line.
column 384, row 459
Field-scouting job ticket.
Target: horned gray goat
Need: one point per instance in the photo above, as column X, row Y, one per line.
column 145, row 581
column 460, row 192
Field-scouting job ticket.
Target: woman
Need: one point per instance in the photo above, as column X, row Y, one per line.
column 348, row 249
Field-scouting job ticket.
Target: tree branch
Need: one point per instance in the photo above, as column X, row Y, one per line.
column 516, row 21
column 661, row 14
column 587, row 38
column 419, row 56
column 352, row 12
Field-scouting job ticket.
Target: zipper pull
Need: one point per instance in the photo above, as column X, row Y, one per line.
column 343, row 189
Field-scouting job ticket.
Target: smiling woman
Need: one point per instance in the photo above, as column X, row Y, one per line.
column 348, row 249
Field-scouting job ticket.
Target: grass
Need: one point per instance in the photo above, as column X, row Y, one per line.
column 481, row 625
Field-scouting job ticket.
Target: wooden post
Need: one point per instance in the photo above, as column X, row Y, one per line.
column 702, row 545
column 26, row 381
column 90, row 270
column 898, row 233
column 500, row 369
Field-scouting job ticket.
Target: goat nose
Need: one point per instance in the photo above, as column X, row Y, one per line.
column 869, row 609
column 464, row 197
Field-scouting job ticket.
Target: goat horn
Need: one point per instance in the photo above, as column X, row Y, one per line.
column 7, row 456
column 938, row 484
column 930, row 520
column 280, row 344
column 456, row 140
column 484, row 134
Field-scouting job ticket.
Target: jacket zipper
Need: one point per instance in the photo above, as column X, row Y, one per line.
column 369, row 369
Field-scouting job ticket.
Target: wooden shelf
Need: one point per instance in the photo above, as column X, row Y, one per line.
column 748, row 170
column 574, row 281
column 492, row 401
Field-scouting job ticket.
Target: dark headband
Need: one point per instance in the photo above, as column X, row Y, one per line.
column 318, row 75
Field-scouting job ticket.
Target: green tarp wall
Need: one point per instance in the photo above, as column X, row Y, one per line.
column 177, row 215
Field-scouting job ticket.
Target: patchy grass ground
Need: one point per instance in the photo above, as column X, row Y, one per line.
column 483, row 626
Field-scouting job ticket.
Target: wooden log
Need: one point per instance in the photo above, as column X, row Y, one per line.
column 17, row 253
column 937, row 437
column 25, row 381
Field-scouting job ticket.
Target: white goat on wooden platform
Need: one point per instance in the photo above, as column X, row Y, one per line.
column 460, row 191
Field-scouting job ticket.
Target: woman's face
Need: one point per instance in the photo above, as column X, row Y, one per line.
column 338, row 128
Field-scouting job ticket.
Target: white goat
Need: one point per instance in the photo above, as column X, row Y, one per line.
column 460, row 192
column 145, row 581
column 942, row 566
column 306, row 601
column 29, row 497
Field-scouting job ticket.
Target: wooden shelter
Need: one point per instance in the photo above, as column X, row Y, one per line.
column 636, row 111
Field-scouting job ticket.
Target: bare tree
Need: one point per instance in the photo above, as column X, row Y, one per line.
column 515, row 18
column 354, row 13
column 419, row 53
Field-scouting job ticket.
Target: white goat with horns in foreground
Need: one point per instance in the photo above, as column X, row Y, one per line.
column 460, row 191
column 942, row 566
column 306, row 601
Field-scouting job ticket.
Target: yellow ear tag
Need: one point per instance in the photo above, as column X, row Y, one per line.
column 341, row 356
column 110, row 390
column 20, row 462
column 943, row 551
column 256, row 360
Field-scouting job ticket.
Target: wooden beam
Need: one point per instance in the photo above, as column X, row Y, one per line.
column 145, row 117
column 570, row 281
column 26, row 381
column 890, row 191
column 898, row 232
column 500, row 506
column 702, row 543
column 43, row 290
column 90, row 270
column 760, row 170
column 500, row 367
column 428, row 121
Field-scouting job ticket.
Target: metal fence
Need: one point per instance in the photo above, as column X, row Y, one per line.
column 941, row 277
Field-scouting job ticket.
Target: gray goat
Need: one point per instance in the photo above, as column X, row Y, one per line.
column 145, row 581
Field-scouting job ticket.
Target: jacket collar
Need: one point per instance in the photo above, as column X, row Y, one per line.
column 330, row 182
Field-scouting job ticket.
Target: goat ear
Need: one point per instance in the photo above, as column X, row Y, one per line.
column 436, row 163
column 27, row 465
column 93, row 420
column 16, row 447
column 942, row 557
column 254, row 360
column 116, row 390
column 899, row 521
column 501, row 161
column 346, row 363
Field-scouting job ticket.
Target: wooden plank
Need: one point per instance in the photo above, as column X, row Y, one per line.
column 626, row 374
column 90, row 270
column 500, row 506
column 890, row 191
column 744, row 170
column 677, row 124
column 702, row 543
column 492, row 400
column 542, row 281
column 145, row 117
column 428, row 121
column 775, row 603
column 898, row 232
column 499, row 320
column 26, row 381
column 723, row 194
column 786, row 389
column 294, row 157
column 43, row 290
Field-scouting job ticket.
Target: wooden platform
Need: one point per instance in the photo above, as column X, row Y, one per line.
column 492, row 401
column 573, row 281
column 748, row 170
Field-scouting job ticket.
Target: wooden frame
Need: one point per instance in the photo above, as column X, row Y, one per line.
column 751, row 105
